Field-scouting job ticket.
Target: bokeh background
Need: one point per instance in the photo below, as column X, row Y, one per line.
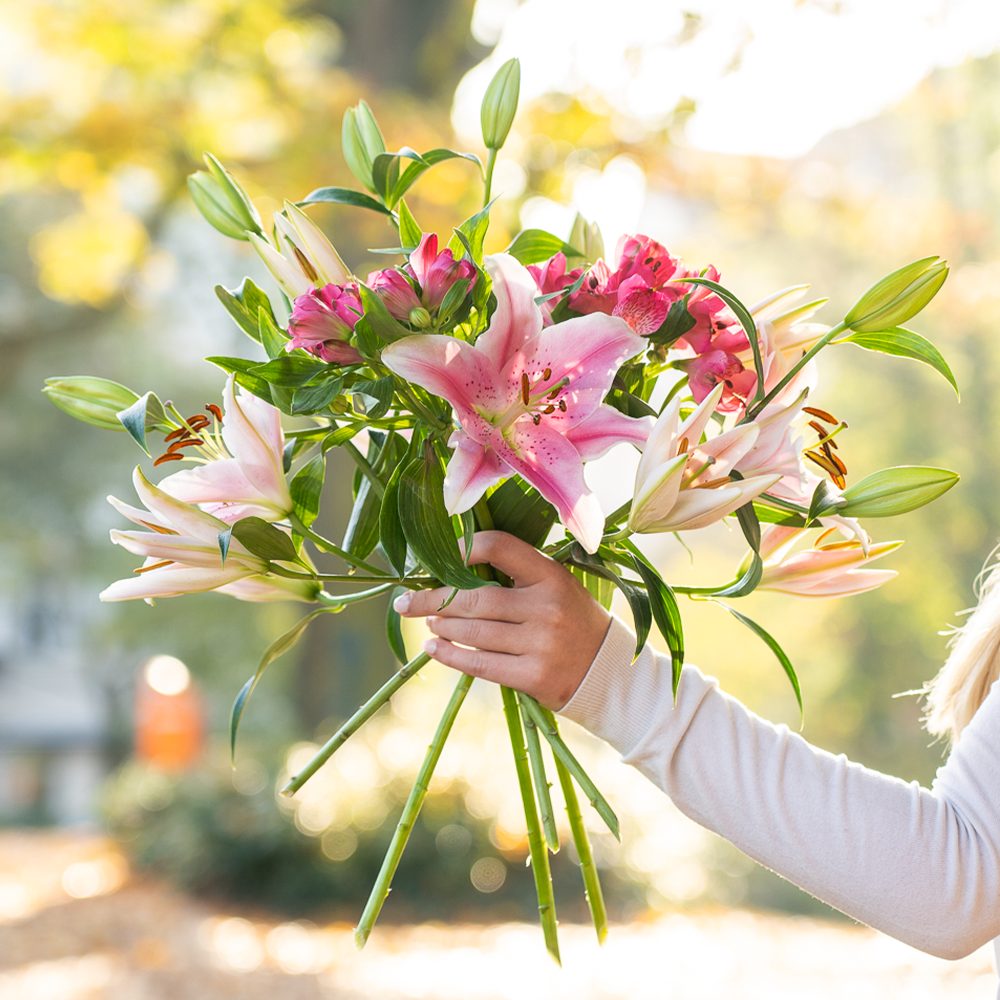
column 783, row 141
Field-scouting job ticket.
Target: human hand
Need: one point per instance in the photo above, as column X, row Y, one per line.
column 538, row 636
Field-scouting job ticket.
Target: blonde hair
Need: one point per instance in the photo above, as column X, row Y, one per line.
column 973, row 663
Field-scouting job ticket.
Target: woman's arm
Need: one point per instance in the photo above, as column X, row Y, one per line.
column 920, row 864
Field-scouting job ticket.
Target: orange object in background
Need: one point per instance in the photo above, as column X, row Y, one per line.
column 169, row 722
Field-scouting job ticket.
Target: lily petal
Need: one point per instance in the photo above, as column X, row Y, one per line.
column 172, row 581
column 288, row 275
column 657, row 496
column 517, row 318
column 604, row 428
column 448, row 367
column 471, row 471
column 188, row 520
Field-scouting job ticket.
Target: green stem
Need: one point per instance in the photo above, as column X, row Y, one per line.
column 491, row 161
column 342, row 600
column 355, row 722
column 325, row 545
column 562, row 752
column 542, row 785
column 410, row 812
column 591, row 879
column 365, row 466
column 334, row 577
column 794, row 370
column 536, row 846
column 617, row 536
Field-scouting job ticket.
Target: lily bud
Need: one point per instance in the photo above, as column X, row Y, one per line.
column 297, row 232
column 898, row 296
column 896, row 491
column 90, row 399
column 586, row 237
column 361, row 141
column 500, row 104
column 223, row 202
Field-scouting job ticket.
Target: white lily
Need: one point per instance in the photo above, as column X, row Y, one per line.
column 683, row 482
column 182, row 555
column 252, row 481
column 304, row 257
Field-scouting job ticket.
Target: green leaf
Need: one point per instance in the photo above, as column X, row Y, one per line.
column 520, row 510
column 390, row 530
column 428, row 527
column 903, row 343
column 774, row 646
column 376, row 395
column 453, row 299
column 264, row 539
column 897, row 490
column 600, row 588
column 382, row 323
column 385, row 173
column 666, row 613
column 410, row 232
column 425, row 162
column 144, row 414
column 343, row 196
column 225, row 538
column 471, row 234
column 747, row 583
column 290, row 371
column 531, row 246
column 826, row 499
column 281, row 645
column 306, row 487
column 394, row 627
column 638, row 599
column 767, row 514
column 316, row 397
column 273, row 339
column 243, row 370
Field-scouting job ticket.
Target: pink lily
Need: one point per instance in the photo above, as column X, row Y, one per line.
column 245, row 474
column 527, row 400
column 182, row 554
column 826, row 569
column 322, row 322
column 683, row 482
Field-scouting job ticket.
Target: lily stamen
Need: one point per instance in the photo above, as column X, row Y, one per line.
column 159, row 565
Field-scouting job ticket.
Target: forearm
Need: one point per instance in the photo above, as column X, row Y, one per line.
column 922, row 865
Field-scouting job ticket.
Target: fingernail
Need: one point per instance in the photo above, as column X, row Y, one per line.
column 430, row 646
column 402, row 603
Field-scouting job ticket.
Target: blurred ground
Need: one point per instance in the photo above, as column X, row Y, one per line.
column 75, row 925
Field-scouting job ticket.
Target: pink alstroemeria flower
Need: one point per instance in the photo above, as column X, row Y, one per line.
column 639, row 289
column 246, row 476
column 527, row 400
column 552, row 276
column 437, row 272
column 396, row 291
column 683, row 482
column 182, row 556
column 826, row 569
column 322, row 322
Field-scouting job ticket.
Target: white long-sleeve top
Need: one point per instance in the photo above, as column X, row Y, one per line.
column 922, row 865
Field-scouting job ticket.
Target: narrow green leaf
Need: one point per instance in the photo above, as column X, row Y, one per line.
column 225, row 537
column 243, row 370
column 531, row 246
column 144, row 414
column 427, row 160
column 264, row 539
column 638, row 599
column 343, row 196
column 390, row 530
column 666, row 613
column 394, row 627
column 306, row 487
column 520, row 510
column 410, row 232
column 774, row 646
column 903, row 343
column 316, row 397
column 471, row 234
column 281, row 645
column 383, row 324
column 826, row 499
column 747, row 583
column 427, row 525
column 290, row 370
column 273, row 339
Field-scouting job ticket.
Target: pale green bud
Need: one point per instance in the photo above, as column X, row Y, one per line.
column 586, row 237
column 90, row 399
column 420, row 318
column 500, row 104
column 223, row 202
column 898, row 296
column 895, row 491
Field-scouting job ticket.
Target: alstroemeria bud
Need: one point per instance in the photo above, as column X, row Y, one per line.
column 898, row 296
column 500, row 104
column 90, row 399
column 420, row 318
column 361, row 140
column 223, row 202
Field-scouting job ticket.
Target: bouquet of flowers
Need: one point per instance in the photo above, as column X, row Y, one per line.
column 470, row 390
